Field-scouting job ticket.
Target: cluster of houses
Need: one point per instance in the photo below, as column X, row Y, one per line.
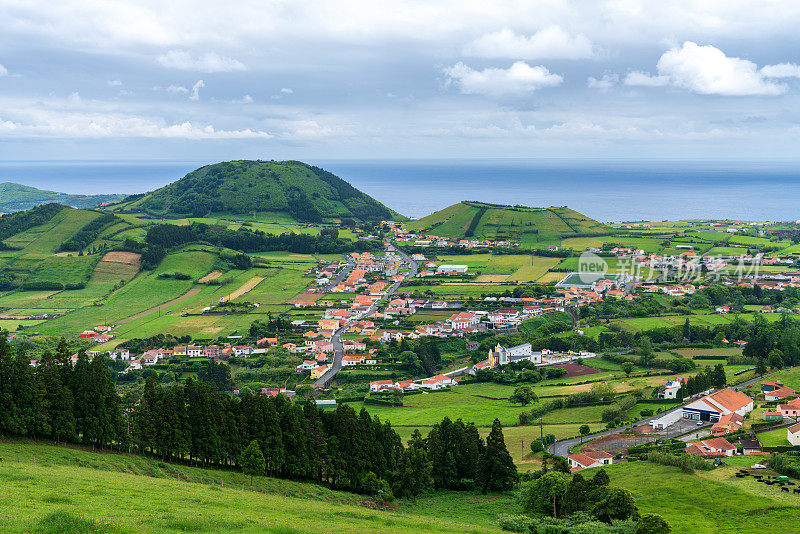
column 222, row 351
column 432, row 383
column 99, row 334
column 726, row 410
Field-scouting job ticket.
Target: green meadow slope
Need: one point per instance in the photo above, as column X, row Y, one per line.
column 305, row 192
column 527, row 226
column 58, row 489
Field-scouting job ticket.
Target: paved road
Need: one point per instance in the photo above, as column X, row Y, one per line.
column 408, row 268
column 343, row 272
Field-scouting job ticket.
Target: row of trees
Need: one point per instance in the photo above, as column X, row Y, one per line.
column 461, row 459
column 197, row 422
column 246, row 240
column 58, row 401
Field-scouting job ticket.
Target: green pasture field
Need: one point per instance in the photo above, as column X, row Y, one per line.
column 62, row 491
column 47, row 238
column 708, row 502
column 774, row 438
column 142, row 293
column 66, row 270
column 431, row 408
column 707, row 320
column 457, row 290
column 429, row 316
column 12, row 324
column 614, row 264
column 278, row 286
column 648, row 244
column 534, row 270
column 727, row 251
column 789, row 377
column 722, row 352
column 581, row 243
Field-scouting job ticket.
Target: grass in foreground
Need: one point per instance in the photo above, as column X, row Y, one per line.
column 49, row 496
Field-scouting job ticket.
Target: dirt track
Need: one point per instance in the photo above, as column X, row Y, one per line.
column 213, row 275
column 247, row 286
column 189, row 294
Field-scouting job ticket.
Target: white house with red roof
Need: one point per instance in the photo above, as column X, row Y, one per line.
column 713, row 406
column 381, row 385
column 306, row 365
column 711, row 447
column 585, row 460
column 463, row 320
column 352, row 359
column 782, row 392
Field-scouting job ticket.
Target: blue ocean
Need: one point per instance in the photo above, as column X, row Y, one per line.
column 605, row 190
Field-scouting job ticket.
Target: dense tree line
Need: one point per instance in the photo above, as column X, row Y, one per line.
column 246, row 240
column 88, row 233
column 58, row 401
column 197, row 422
column 706, row 379
column 151, row 255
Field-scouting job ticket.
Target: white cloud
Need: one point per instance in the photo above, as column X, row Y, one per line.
column 645, row 79
column 606, row 82
column 3, row 71
column 549, row 43
column 208, row 62
column 196, row 90
column 72, row 124
column 520, row 78
column 707, row 70
column 177, row 89
column 781, row 70
column 115, row 83
column 286, row 91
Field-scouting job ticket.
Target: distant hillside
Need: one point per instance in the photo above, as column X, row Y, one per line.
column 306, row 193
column 17, row 197
column 527, row 226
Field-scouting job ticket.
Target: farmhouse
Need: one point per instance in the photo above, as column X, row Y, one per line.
column 585, row 460
column 463, row 320
column 727, row 424
column 793, row 434
column 768, row 385
column 790, row 409
column 779, row 393
column 670, row 390
column 381, row 385
column 713, row 406
column 711, row 447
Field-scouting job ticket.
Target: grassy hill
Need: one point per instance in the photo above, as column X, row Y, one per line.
column 69, row 489
column 528, row 226
column 17, row 197
column 305, row 192
column 58, row 489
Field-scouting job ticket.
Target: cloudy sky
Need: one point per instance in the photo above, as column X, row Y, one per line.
column 100, row 79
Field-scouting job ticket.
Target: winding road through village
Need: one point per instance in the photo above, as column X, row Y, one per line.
column 408, row 269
